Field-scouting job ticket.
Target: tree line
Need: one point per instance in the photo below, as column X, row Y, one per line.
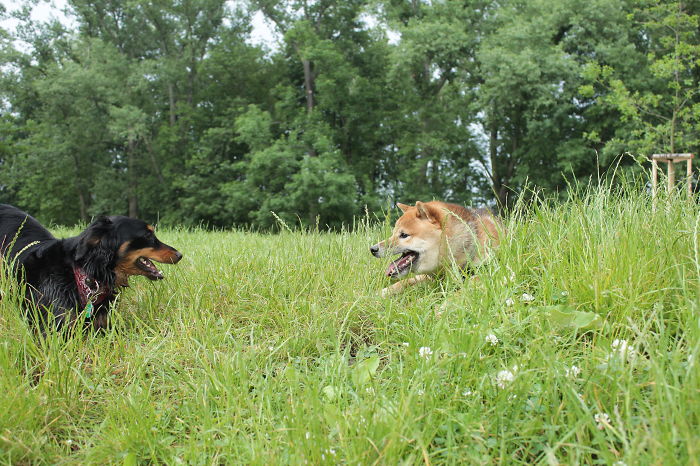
column 165, row 109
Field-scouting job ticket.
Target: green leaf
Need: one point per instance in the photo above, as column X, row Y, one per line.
column 130, row 459
column 562, row 316
column 364, row 370
column 331, row 392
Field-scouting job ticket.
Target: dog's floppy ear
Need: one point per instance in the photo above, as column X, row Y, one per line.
column 403, row 207
column 96, row 250
column 426, row 212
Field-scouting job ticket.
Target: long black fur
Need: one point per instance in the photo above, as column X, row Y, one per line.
column 45, row 264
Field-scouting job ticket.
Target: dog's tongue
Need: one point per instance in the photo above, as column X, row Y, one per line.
column 148, row 264
column 398, row 265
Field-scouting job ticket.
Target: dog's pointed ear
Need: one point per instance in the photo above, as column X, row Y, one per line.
column 427, row 212
column 403, row 207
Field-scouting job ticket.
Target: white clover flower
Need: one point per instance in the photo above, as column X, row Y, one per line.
column 467, row 392
column 420, row 392
column 405, row 343
column 503, row 378
column 572, row 372
column 491, row 338
column 509, row 302
column 623, row 350
column 271, row 348
column 602, row 419
column 527, row 297
column 425, row 352
column 565, row 293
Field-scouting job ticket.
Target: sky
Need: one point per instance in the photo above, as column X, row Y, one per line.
column 263, row 33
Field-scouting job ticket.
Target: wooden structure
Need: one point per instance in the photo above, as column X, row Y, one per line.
column 670, row 159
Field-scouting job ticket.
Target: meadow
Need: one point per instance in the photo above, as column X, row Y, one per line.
column 577, row 344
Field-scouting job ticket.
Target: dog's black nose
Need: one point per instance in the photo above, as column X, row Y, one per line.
column 374, row 250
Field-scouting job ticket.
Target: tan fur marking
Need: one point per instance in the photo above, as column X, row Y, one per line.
column 126, row 266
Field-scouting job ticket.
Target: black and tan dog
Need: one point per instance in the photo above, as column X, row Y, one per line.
column 82, row 274
column 432, row 235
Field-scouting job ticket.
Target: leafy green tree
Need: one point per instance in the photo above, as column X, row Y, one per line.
column 540, row 128
column 431, row 81
column 659, row 103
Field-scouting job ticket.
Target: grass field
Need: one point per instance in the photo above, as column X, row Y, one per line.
column 579, row 344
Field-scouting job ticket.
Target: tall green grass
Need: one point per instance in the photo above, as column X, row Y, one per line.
column 271, row 349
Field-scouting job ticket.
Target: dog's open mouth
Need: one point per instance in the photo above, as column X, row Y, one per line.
column 147, row 266
column 402, row 265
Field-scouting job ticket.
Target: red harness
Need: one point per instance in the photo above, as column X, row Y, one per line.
column 90, row 291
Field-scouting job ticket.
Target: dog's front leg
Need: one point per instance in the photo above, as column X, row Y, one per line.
column 398, row 287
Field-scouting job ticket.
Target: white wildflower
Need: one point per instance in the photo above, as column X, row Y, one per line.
column 425, row 352
column 565, row 293
column 527, row 297
column 491, row 338
column 509, row 302
column 572, row 371
column 503, row 378
column 467, row 392
column 624, row 350
column 619, row 463
column 420, row 392
column 602, row 419
column 308, row 435
column 405, row 343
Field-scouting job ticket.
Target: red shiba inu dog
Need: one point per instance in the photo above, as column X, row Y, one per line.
column 432, row 235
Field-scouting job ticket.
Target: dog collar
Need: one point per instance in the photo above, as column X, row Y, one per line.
column 90, row 291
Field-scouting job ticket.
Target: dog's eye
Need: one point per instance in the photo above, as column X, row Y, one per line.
column 403, row 235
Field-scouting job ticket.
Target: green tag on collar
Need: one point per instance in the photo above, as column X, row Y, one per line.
column 88, row 309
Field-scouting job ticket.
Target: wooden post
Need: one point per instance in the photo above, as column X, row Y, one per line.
column 689, row 176
column 654, row 182
column 670, row 159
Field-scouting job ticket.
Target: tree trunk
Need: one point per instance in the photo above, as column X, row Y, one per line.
column 308, row 84
column 83, row 206
column 171, row 101
column 496, row 181
column 131, row 179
